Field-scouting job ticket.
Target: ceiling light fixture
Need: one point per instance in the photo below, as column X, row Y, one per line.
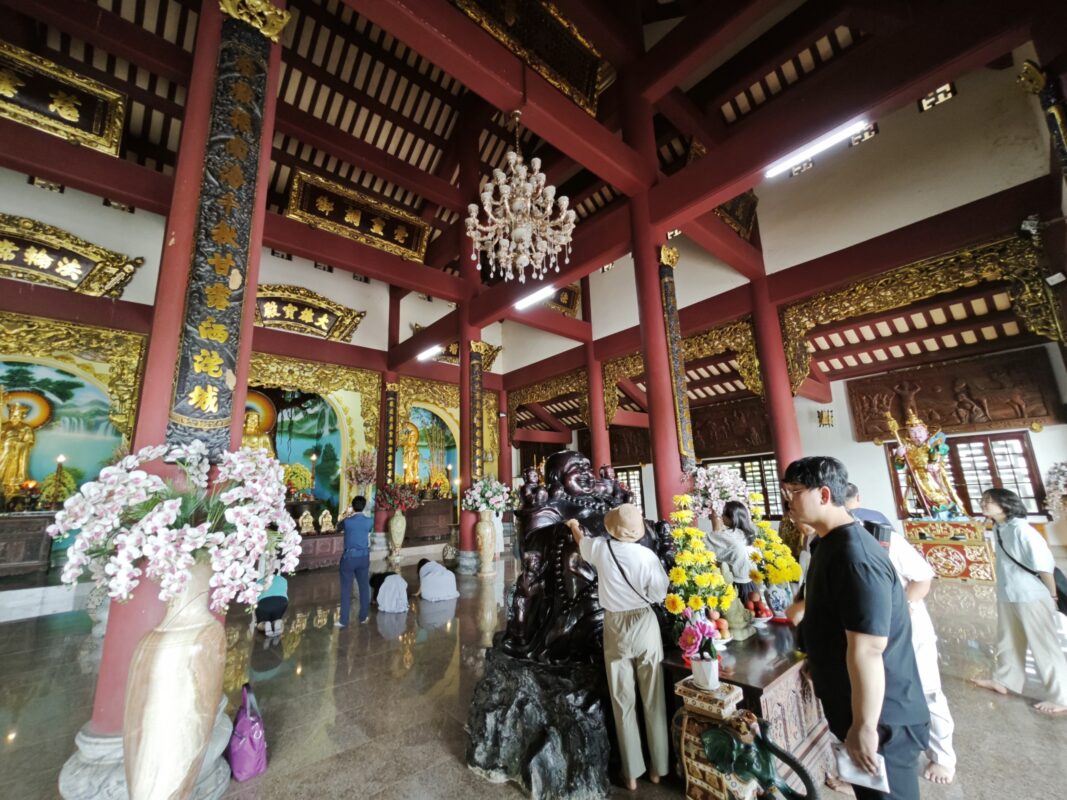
column 429, row 353
column 807, row 153
column 530, row 299
column 520, row 230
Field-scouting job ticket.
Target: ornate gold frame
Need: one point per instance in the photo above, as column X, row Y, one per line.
column 115, row 102
column 735, row 336
column 543, row 391
column 446, row 396
column 450, row 355
column 322, row 379
column 1012, row 259
column 534, row 61
column 262, row 15
column 347, row 319
column 302, row 179
column 73, row 344
column 107, row 278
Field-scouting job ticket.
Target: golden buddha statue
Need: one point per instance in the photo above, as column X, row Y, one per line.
column 409, row 441
column 16, row 441
column 922, row 455
column 254, row 437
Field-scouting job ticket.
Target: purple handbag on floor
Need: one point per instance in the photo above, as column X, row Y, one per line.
column 247, row 750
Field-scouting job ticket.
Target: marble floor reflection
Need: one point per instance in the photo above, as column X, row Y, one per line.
column 378, row 710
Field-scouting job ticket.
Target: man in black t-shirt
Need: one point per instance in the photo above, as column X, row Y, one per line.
column 857, row 633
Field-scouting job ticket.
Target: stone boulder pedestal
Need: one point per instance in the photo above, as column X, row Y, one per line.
column 544, row 727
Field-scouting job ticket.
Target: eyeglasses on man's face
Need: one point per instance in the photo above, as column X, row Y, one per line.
column 791, row 490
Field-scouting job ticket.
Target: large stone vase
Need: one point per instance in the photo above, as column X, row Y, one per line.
column 485, row 535
column 172, row 695
column 397, row 526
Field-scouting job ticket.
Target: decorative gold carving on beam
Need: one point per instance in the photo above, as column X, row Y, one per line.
column 450, row 355
column 575, row 382
column 39, row 253
column 262, row 15
column 734, row 336
column 316, row 378
column 79, row 346
column 43, row 95
column 294, row 308
column 566, row 300
column 1015, row 259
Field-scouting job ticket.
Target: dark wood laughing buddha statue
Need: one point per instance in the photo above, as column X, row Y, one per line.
column 555, row 615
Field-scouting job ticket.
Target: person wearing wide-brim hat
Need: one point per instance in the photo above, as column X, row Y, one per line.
column 630, row 578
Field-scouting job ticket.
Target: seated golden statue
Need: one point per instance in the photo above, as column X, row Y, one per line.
column 922, row 455
column 253, row 436
column 306, row 523
column 17, row 438
column 326, row 522
column 409, row 441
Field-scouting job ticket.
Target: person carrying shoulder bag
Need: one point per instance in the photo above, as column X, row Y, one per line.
column 1026, row 606
column 630, row 579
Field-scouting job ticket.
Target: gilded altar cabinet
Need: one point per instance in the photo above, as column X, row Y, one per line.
column 955, row 550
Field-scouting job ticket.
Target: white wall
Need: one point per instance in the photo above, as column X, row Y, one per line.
column 984, row 140
column 524, row 345
column 86, row 216
column 416, row 309
column 340, row 287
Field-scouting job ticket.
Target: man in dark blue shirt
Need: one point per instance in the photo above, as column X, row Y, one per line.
column 355, row 562
column 857, row 633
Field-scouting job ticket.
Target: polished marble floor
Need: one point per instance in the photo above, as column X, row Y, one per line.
column 378, row 710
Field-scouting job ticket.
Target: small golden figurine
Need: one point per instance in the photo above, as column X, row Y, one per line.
column 326, row 522
column 306, row 523
column 254, row 437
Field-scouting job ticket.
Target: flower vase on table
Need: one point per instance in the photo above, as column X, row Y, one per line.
column 398, row 526
column 485, row 535
column 779, row 598
column 397, row 497
column 201, row 548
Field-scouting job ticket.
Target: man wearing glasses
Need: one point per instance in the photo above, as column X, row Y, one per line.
column 857, row 633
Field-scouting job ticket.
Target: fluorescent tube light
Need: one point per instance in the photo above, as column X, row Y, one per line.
column 816, row 147
column 536, row 297
column 428, row 353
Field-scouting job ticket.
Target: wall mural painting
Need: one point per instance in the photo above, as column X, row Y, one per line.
column 299, row 425
column 426, row 449
column 1013, row 390
column 51, row 416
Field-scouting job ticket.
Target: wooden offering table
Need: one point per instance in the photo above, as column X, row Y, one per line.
column 321, row 550
column 25, row 545
column 767, row 669
column 431, row 521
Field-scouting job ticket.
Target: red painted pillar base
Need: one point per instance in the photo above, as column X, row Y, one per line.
column 777, row 391
column 598, row 426
column 504, row 469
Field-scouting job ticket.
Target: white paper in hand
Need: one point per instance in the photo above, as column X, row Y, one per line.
column 853, row 773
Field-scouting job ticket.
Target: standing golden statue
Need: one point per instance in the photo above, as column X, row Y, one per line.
column 253, row 436
column 16, row 441
column 922, row 455
column 409, row 440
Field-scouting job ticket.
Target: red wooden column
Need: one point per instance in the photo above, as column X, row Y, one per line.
column 386, row 424
column 777, row 390
column 598, row 426
column 468, row 549
column 504, row 471
column 663, row 433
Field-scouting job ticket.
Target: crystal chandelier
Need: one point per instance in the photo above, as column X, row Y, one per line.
column 520, row 231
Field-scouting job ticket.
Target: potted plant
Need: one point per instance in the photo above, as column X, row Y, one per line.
column 398, row 498
column 773, row 563
column 1056, row 491
column 712, row 486
column 205, row 548
column 699, row 594
column 697, row 643
column 361, row 473
column 487, row 496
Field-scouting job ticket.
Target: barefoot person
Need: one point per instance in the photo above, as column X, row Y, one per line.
column 917, row 577
column 1026, row 606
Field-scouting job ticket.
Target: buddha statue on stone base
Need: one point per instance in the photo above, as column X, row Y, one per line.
column 253, row 436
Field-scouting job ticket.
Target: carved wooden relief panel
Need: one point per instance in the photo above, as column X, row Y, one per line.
column 737, row 427
column 1009, row 390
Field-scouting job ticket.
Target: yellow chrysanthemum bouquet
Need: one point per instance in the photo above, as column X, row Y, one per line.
column 772, row 560
column 698, row 591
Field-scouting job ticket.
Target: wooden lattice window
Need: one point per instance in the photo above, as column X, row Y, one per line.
column 977, row 463
column 630, row 478
column 760, row 472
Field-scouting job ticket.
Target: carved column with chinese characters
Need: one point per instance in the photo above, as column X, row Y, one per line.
column 387, row 443
column 668, row 260
column 470, row 456
column 200, row 340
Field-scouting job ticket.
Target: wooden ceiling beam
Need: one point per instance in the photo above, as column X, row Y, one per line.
column 722, row 241
column 544, row 415
column 980, row 348
column 919, row 335
column 552, row 321
column 332, row 141
column 689, row 44
column 441, row 333
column 447, row 38
column 798, row 30
column 302, row 240
column 108, row 31
column 541, row 437
column 885, row 74
column 634, row 392
column 630, row 419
